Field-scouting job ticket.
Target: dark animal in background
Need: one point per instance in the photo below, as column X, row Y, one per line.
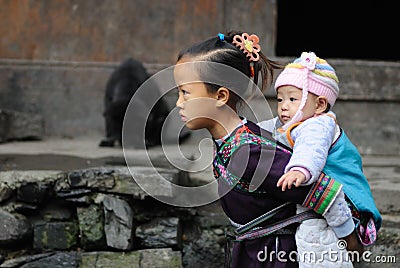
column 121, row 86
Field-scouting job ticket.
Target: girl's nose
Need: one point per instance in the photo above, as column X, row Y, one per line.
column 179, row 101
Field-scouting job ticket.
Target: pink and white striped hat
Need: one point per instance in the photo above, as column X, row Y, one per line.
column 311, row 74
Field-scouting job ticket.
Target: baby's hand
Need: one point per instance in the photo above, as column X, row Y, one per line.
column 292, row 177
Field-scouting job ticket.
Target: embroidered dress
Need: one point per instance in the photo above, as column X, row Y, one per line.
column 247, row 155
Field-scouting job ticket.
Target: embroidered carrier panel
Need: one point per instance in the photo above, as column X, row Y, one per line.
column 225, row 152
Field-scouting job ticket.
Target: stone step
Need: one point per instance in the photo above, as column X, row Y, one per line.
column 114, row 180
column 162, row 257
column 382, row 171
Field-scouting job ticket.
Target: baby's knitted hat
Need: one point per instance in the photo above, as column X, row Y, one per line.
column 311, row 74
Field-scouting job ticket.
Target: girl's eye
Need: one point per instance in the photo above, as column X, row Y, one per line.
column 184, row 92
column 279, row 99
column 293, row 99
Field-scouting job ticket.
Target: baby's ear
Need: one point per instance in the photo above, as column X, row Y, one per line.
column 322, row 104
column 222, row 96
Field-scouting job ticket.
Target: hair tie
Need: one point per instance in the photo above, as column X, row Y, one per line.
column 252, row 69
column 221, row 37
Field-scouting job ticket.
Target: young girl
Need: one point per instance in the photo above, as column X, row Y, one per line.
column 306, row 90
column 210, row 80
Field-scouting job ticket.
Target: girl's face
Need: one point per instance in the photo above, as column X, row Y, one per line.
column 198, row 106
column 289, row 99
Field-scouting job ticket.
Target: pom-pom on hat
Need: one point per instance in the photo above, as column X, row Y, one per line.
column 311, row 74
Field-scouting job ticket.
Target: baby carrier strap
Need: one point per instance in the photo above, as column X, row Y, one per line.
column 276, row 227
column 253, row 223
column 249, row 230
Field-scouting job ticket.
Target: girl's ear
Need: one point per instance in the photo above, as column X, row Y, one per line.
column 222, row 95
column 321, row 104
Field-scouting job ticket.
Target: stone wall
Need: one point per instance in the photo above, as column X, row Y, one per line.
column 99, row 217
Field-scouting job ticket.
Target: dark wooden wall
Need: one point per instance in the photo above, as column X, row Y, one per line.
column 152, row 31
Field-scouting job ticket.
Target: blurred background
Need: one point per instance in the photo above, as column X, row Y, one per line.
column 56, row 56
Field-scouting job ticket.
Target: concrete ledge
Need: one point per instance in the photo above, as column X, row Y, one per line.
column 69, row 96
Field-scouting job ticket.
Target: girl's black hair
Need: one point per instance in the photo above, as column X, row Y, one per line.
column 223, row 51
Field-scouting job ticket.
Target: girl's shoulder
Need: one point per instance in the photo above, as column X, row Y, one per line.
column 261, row 138
column 252, row 135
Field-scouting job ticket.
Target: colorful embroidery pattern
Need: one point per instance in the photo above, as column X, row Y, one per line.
column 233, row 180
column 365, row 225
column 246, row 137
column 242, row 137
column 367, row 233
column 322, row 194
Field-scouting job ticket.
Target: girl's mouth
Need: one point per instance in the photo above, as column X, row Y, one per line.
column 183, row 118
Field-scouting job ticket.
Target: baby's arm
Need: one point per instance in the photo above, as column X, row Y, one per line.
column 312, row 141
column 339, row 217
column 336, row 211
